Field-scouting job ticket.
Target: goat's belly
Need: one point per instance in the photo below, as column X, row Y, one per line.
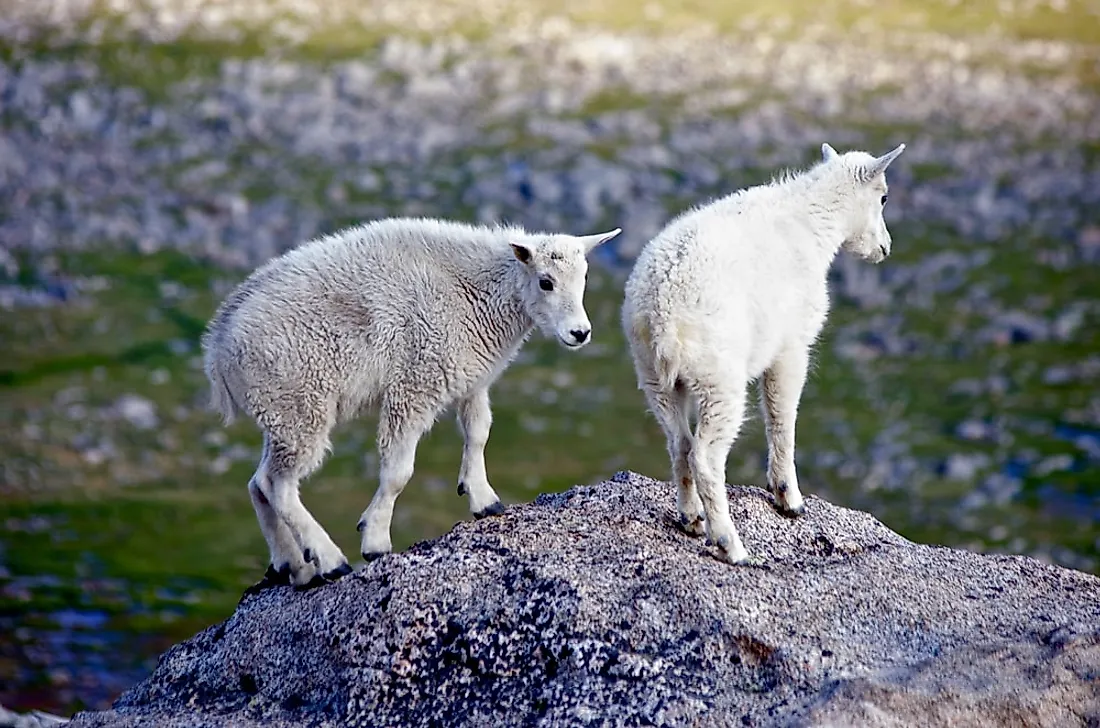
column 761, row 360
column 766, row 345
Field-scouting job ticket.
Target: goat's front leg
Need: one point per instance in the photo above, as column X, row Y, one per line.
column 474, row 420
column 782, row 389
column 399, row 432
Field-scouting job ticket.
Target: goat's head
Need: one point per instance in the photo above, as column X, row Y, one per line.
column 865, row 232
column 556, row 270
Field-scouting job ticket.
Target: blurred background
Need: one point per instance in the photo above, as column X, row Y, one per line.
column 153, row 151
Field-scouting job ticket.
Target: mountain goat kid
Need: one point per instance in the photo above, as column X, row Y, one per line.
column 410, row 316
column 736, row 291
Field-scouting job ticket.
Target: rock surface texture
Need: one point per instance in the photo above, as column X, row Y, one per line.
column 591, row 608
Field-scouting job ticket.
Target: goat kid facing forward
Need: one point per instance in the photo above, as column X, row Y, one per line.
column 408, row 315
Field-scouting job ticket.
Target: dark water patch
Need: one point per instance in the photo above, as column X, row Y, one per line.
column 83, row 654
column 1079, row 505
column 74, row 619
column 1085, row 439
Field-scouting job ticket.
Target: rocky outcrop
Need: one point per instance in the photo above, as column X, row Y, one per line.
column 590, row 607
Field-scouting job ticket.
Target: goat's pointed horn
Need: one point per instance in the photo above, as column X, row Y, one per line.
column 877, row 167
column 591, row 241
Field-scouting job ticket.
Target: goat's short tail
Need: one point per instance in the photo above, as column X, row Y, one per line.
column 666, row 363
column 221, row 398
column 662, row 350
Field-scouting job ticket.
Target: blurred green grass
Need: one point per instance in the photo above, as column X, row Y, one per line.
column 560, row 419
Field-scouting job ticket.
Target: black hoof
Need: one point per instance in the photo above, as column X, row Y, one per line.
column 272, row 578
column 340, row 571
column 687, row 522
column 313, row 583
column 790, row 512
column 494, row 509
column 373, row 556
column 461, row 488
column 780, row 491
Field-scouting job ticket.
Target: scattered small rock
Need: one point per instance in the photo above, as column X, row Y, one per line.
column 33, row 719
column 964, row 466
column 137, row 410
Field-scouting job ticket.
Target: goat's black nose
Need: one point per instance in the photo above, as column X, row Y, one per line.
column 580, row 334
column 885, row 252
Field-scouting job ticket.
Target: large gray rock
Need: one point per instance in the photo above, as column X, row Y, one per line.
column 591, row 608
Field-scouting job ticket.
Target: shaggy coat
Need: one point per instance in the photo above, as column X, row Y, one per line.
column 409, row 316
column 734, row 292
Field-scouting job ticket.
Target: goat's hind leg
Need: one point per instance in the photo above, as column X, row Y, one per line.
column 671, row 411
column 285, row 554
column 721, row 411
column 286, row 465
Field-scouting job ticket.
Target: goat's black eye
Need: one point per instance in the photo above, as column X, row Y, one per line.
column 885, row 198
column 546, row 284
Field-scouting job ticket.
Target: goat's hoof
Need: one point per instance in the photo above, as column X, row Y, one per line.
column 731, row 550
column 786, row 512
column 280, row 576
column 339, row 572
column 313, row 583
column 373, row 555
column 272, row 578
column 493, row 509
column 784, row 509
column 693, row 525
column 781, row 493
column 461, row 488
column 729, row 558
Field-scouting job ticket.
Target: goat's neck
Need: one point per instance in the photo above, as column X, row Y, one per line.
column 822, row 207
column 497, row 291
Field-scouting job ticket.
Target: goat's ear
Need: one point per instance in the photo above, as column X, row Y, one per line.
column 828, row 152
column 522, row 253
column 591, row 241
column 877, row 167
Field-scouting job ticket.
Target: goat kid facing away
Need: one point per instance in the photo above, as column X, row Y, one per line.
column 735, row 292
